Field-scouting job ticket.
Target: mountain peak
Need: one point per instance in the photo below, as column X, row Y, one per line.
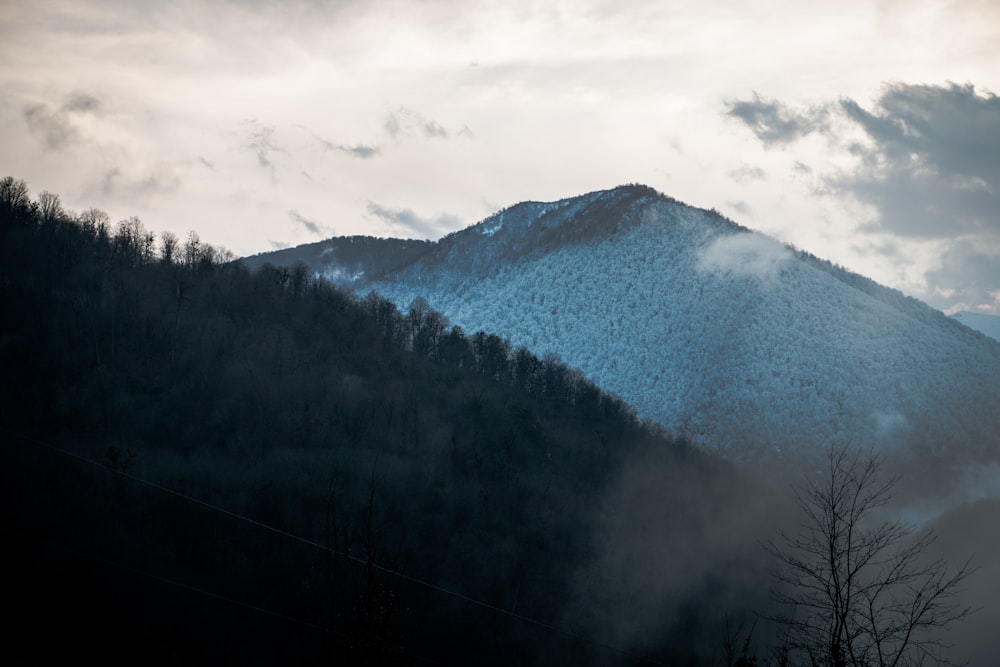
column 537, row 227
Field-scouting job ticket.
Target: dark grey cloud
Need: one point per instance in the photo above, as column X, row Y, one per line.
column 403, row 121
column 56, row 124
column 968, row 279
column 81, row 102
column 54, row 128
column 775, row 123
column 929, row 167
column 115, row 182
column 392, row 125
column 430, row 228
column 108, row 183
column 932, row 165
column 311, row 226
column 746, row 173
column 878, row 246
column 739, row 206
column 360, row 151
column 433, row 128
column 260, row 142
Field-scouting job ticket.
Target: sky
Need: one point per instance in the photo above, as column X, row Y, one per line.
column 864, row 132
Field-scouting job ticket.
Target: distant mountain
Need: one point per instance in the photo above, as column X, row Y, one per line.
column 988, row 325
column 346, row 259
column 721, row 335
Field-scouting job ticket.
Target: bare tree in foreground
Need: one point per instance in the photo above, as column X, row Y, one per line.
column 859, row 591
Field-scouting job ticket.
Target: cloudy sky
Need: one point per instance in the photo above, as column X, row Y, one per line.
column 866, row 132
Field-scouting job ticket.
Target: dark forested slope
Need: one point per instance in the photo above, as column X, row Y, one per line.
column 205, row 463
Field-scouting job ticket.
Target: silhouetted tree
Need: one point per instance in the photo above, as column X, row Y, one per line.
column 860, row 591
column 192, row 250
column 50, row 207
column 133, row 242
column 14, row 196
column 491, row 353
column 168, row 247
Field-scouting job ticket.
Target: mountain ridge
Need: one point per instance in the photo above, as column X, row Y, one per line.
column 381, row 257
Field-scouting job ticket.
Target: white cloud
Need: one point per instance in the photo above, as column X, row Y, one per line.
column 749, row 255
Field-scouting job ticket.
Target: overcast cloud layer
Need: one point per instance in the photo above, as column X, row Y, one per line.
column 865, row 132
column 926, row 167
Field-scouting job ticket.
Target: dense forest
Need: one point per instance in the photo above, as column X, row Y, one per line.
column 205, row 463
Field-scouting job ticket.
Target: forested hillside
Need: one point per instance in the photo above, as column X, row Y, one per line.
column 349, row 258
column 721, row 335
column 204, row 463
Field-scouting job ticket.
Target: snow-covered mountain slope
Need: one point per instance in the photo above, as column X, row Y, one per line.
column 720, row 334
column 988, row 325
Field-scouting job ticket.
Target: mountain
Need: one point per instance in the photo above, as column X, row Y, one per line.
column 346, row 258
column 721, row 335
column 988, row 325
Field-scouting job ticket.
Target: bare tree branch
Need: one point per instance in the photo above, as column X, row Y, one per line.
column 861, row 592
